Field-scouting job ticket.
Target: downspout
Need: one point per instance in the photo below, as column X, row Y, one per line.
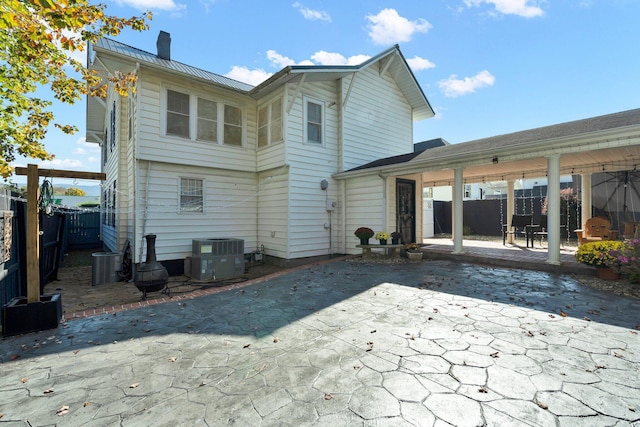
column 384, row 199
column 134, row 174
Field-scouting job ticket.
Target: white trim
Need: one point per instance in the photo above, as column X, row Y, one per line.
column 193, row 116
column 323, row 122
column 179, row 195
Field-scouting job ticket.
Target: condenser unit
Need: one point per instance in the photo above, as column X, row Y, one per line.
column 217, row 259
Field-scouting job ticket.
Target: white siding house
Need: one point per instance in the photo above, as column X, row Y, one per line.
column 192, row 155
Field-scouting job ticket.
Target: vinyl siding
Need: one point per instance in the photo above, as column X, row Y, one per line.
column 273, row 212
column 230, row 209
column 310, row 164
column 154, row 145
column 109, row 234
column 365, row 208
column 377, row 119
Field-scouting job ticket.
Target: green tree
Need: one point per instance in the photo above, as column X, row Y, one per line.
column 73, row 191
column 36, row 39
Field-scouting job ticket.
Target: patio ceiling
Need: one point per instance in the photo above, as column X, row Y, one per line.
column 603, row 143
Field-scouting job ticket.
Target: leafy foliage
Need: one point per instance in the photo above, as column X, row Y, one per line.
column 363, row 233
column 36, row 40
column 599, row 254
column 73, row 191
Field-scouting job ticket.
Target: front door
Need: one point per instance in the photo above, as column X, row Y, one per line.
column 406, row 209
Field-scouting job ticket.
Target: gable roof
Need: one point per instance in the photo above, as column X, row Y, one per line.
column 393, row 61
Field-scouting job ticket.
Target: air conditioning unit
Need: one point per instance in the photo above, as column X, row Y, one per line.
column 217, row 259
column 212, row 247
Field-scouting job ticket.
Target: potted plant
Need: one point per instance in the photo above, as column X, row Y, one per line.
column 413, row 251
column 628, row 260
column 383, row 236
column 364, row 234
column 395, row 237
column 603, row 255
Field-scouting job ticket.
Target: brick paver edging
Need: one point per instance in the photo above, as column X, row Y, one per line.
column 193, row 294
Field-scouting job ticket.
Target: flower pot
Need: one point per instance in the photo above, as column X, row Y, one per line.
column 364, row 241
column 395, row 241
column 20, row 316
column 383, row 241
column 414, row 256
column 606, row 273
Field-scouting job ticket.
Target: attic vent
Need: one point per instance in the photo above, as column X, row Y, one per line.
column 164, row 45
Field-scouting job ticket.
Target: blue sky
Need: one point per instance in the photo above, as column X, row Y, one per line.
column 487, row 67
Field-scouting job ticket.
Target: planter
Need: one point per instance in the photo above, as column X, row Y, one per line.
column 395, row 241
column 364, row 241
column 20, row 317
column 606, row 273
column 383, row 241
column 414, row 256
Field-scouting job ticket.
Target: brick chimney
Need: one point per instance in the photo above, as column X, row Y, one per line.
column 164, row 45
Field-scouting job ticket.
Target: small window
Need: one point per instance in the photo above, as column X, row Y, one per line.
column 270, row 123
column 314, row 122
column 232, row 125
column 191, row 195
column 177, row 114
column 113, row 126
column 207, row 120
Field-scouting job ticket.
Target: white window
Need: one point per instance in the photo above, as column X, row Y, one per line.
column 191, row 195
column 270, row 123
column 232, row 125
column 207, row 120
column 314, row 112
column 177, row 114
column 192, row 117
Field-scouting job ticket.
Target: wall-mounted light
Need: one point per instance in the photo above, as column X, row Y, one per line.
column 495, row 160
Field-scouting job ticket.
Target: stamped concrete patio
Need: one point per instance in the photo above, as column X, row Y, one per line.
column 433, row 343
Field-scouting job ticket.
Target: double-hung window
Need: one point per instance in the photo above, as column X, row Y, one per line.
column 314, row 112
column 193, row 117
column 177, row 114
column 191, row 195
column 207, row 120
column 270, row 123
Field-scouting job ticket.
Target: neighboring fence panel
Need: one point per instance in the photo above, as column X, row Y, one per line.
column 52, row 236
column 10, row 273
column 83, row 230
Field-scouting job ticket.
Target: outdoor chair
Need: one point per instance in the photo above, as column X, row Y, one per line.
column 596, row 229
column 519, row 226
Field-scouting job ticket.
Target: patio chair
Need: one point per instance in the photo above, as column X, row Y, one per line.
column 596, row 229
column 518, row 226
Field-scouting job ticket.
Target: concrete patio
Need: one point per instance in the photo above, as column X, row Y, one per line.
column 433, row 343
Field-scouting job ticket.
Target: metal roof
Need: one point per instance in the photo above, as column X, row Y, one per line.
column 152, row 59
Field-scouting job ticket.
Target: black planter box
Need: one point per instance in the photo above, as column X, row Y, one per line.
column 20, row 317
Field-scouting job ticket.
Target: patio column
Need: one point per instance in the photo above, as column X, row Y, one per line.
column 458, row 191
column 511, row 207
column 553, row 210
column 585, row 199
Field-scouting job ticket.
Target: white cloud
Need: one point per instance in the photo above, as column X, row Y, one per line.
column 417, row 64
column 312, row 15
column 524, row 8
column 169, row 5
column 453, row 86
column 70, row 164
column 278, row 60
column 387, row 27
column 245, row 75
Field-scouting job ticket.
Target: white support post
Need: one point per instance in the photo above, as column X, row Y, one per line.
column 553, row 210
column 511, row 207
column 458, row 191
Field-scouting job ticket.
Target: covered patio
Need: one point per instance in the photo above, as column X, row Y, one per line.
column 605, row 143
